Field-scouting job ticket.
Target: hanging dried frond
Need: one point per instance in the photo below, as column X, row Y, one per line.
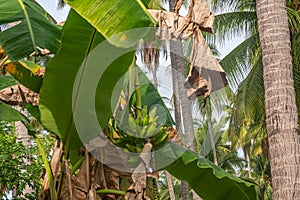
column 178, row 5
column 206, row 75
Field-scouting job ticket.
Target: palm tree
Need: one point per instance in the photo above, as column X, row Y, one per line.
column 280, row 100
column 250, row 95
column 181, row 99
column 65, row 178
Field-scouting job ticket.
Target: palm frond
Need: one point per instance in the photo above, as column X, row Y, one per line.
column 296, row 68
column 247, row 5
column 248, row 108
column 236, row 63
column 232, row 25
column 220, row 99
column 221, row 5
column 293, row 19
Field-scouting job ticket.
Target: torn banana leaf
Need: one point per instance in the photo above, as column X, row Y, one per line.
column 28, row 28
column 206, row 179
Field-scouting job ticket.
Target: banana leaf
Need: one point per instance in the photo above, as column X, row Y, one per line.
column 7, row 81
column 29, row 28
column 26, row 73
column 79, row 83
column 9, row 114
column 208, row 180
column 112, row 18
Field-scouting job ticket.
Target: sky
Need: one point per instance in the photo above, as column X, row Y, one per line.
column 51, row 7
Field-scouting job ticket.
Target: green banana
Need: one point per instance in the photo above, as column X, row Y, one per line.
column 158, row 139
column 143, row 132
column 144, row 111
column 138, row 121
column 146, row 120
column 134, row 149
column 152, row 113
column 151, row 130
column 131, row 122
column 153, row 120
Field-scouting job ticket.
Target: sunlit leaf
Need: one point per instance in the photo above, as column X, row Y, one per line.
column 29, row 28
column 27, row 73
column 79, row 39
column 114, row 17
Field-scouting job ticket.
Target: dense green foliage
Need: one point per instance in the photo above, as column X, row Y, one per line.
column 20, row 165
column 63, row 105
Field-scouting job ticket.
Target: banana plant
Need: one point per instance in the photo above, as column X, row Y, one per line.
column 60, row 97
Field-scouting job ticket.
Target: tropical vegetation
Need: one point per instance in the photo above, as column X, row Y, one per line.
column 99, row 128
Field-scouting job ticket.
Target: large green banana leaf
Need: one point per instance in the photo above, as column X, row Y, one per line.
column 114, row 17
column 207, row 179
column 7, row 81
column 59, row 89
column 33, row 29
column 7, row 113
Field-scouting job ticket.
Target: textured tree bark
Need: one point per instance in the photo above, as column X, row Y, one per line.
column 170, row 186
column 178, row 65
column 177, row 111
column 185, row 190
column 179, row 69
column 210, row 133
column 184, row 185
column 174, row 62
column 281, row 110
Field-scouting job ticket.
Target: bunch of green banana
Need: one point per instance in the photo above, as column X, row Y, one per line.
column 145, row 126
column 138, row 131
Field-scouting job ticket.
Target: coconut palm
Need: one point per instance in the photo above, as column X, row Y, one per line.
column 245, row 62
column 280, row 99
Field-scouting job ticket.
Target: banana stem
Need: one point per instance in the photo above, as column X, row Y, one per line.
column 47, row 165
column 110, row 191
column 138, row 95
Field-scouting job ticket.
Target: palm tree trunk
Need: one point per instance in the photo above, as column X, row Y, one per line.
column 185, row 190
column 178, row 65
column 170, row 186
column 184, row 184
column 179, row 70
column 210, row 133
column 154, row 73
column 280, row 105
column 212, row 142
